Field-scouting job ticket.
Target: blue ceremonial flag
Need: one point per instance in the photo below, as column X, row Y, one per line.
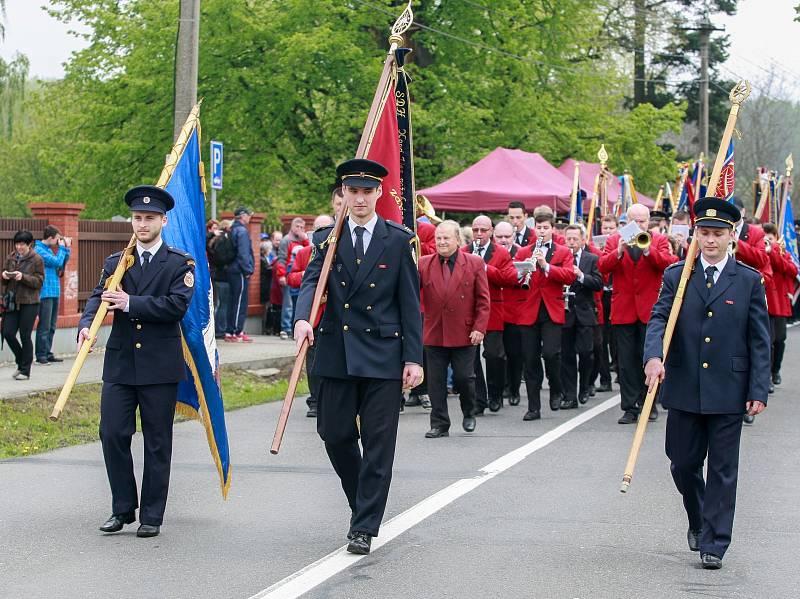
column 200, row 395
column 789, row 234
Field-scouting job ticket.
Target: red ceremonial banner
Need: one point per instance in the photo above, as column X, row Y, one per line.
column 385, row 148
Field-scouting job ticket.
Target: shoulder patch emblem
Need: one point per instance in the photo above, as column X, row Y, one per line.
column 413, row 252
column 188, row 279
column 190, row 262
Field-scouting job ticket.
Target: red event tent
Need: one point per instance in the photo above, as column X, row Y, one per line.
column 500, row 177
column 588, row 171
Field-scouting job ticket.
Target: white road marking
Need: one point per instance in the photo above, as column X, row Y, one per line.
column 315, row 574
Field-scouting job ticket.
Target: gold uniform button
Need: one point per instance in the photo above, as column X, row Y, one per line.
column 708, row 339
column 372, row 284
column 710, row 314
column 367, row 330
column 396, row 334
column 369, row 307
column 705, row 364
column 346, row 306
column 343, row 283
column 346, row 328
column 139, row 327
column 138, row 346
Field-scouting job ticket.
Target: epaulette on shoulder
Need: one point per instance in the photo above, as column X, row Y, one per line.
column 748, row 267
column 679, row 263
column 403, row 228
column 179, row 252
column 116, row 254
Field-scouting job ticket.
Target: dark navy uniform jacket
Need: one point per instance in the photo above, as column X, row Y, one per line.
column 719, row 357
column 372, row 323
column 144, row 347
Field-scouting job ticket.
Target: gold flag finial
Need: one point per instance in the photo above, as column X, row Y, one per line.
column 602, row 155
column 789, row 165
column 401, row 25
column 740, row 92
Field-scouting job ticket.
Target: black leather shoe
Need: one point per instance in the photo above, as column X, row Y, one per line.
column 437, row 432
column 604, row 388
column 748, row 419
column 776, row 378
column 653, row 414
column 494, row 405
column 117, row 521
column 360, row 543
column 468, row 423
column 627, row 418
column 693, row 538
column 413, row 400
column 43, row 362
column 771, row 388
column 55, row 360
column 532, row 415
column 569, row 404
column 148, row 530
column 555, row 402
column 312, row 413
column 513, row 400
column 584, row 397
column 710, row 561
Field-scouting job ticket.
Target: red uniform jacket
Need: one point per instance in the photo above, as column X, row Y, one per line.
column 636, row 284
column 427, row 237
column 513, row 295
column 295, row 278
column 501, row 273
column 452, row 313
column 752, row 251
column 784, row 272
column 548, row 288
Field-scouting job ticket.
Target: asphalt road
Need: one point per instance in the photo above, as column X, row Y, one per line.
column 546, row 521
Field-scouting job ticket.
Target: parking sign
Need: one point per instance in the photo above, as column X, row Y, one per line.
column 216, row 165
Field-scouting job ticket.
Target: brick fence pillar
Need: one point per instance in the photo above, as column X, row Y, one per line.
column 254, row 291
column 65, row 218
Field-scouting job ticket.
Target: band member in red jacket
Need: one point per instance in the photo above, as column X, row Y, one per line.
column 513, row 297
column 779, row 293
column 637, row 279
column 501, row 273
column 542, row 312
column 750, row 247
column 456, row 303
column 294, row 279
column 605, row 350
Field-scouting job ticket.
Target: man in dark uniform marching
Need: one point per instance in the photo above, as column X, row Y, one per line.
column 369, row 345
column 716, row 371
column 143, row 360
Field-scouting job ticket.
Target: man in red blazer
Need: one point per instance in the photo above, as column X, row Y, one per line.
column 779, row 293
column 456, row 304
column 513, row 297
column 294, row 279
column 750, row 247
column 542, row 313
column 501, row 273
column 637, row 280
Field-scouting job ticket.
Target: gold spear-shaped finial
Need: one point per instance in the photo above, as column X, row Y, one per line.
column 789, row 166
column 401, row 25
column 602, row 155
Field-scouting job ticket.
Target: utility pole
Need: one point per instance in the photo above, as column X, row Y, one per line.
column 186, row 62
column 704, row 29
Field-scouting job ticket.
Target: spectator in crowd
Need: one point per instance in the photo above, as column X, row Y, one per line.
column 456, row 303
column 54, row 249
column 296, row 237
column 267, row 257
column 221, row 253
column 22, row 277
column 239, row 273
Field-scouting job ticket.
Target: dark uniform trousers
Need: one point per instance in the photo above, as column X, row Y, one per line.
column 156, row 405
column 512, row 344
column 462, row 360
column 630, row 350
column 777, row 325
column 490, row 387
column 605, row 348
column 313, row 379
column 365, row 480
column 577, row 358
column 541, row 341
column 709, row 503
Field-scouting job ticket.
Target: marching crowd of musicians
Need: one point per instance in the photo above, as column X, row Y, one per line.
column 549, row 301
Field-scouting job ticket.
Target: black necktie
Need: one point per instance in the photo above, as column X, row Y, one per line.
column 145, row 260
column 710, row 272
column 479, row 250
column 359, row 244
column 575, row 259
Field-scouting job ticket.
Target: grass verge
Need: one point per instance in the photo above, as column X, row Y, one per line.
column 25, row 428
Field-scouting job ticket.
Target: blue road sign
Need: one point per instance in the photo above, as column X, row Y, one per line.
column 216, row 165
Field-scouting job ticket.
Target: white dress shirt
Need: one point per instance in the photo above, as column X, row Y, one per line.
column 720, row 266
column 367, row 236
column 139, row 249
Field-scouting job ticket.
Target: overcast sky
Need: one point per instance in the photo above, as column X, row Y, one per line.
column 763, row 33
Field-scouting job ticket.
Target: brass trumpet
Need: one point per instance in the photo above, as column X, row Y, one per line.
column 641, row 241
